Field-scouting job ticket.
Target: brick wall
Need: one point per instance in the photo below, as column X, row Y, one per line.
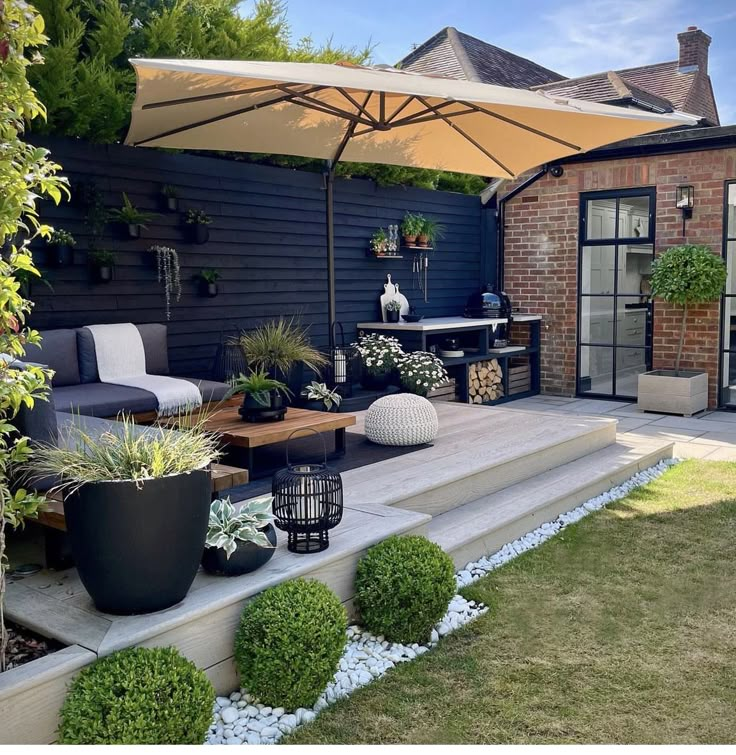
column 541, row 253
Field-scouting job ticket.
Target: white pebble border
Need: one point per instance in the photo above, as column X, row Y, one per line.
column 240, row 719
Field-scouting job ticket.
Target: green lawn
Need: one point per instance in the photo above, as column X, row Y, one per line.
column 620, row 630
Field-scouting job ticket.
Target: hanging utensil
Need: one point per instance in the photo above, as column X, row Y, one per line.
column 426, row 280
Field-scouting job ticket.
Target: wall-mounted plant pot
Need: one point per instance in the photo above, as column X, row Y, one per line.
column 247, row 558
column 255, row 411
column 6, row 250
column 209, row 290
column 60, row 255
column 137, row 546
column 200, row 233
column 393, row 315
column 103, row 273
column 133, row 230
column 171, row 204
column 422, row 240
column 684, row 392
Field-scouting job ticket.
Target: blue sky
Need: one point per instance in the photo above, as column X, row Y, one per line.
column 573, row 37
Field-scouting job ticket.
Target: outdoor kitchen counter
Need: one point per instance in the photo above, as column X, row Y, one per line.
column 444, row 323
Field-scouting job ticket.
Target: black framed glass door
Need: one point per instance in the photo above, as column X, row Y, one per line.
column 616, row 251
column 728, row 310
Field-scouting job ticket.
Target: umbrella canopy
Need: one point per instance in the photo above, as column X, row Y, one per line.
column 363, row 114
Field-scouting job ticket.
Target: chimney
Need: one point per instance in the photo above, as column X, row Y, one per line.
column 694, row 44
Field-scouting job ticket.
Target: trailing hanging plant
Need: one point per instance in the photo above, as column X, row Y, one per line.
column 169, row 273
column 687, row 275
column 26, row 173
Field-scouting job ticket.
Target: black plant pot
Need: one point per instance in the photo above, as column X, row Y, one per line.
column 60, row 255
column 254, row 411
column 104, row 273
column 170, row 203
column 293, row 379
column 137, row 550
column 247, row 558
column 375, row 381
column 200, row 233
column 134, row 230
column 392, row 315
column 318, row 406
column 208, row 289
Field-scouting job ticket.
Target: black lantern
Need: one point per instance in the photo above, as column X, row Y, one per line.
column 307, row 502
column 343, row 358
column 685, row 201
column 230, row 360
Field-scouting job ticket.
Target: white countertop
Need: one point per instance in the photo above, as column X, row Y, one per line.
column 444, row 323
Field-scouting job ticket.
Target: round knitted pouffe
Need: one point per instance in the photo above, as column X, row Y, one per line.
column 401, row 420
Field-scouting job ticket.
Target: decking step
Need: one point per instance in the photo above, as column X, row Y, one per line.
column 485, row 452
column 484, row 525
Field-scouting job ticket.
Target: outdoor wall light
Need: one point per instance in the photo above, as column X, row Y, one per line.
column 685, row 199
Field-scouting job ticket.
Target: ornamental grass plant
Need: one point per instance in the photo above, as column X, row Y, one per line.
column 277, row 345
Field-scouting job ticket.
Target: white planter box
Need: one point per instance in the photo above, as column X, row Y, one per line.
column 32, row 694
column 663, row 391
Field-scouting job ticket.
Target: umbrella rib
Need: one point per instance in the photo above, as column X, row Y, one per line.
column 401, row 107
column 413, row 121
column 209, row 97
column 428, row 109
column 361, row 108
column 222, row 117
column 324, row 107
column 468, row 138
column 349, row 132
column 513, row 122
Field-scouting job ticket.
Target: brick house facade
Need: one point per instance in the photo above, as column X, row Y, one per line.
column 541, row 244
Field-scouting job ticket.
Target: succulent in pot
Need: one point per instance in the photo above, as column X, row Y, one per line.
column 199, row 221
column 240, row 539
column 136, row 502
column 321, row 398
column 102, row 262
column 411, row 226
column 379, row 355
column 170, row 195
column 393, row 310
column 61, row 245
column 208, row 282
column 129, row 215
column 282, row 348
column 263, row 397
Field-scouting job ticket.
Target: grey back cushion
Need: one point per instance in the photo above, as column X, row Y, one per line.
column 38, row 423
column 155, row 347
column 58, row 350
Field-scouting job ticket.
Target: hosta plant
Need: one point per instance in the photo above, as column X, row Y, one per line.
column 228, row 525
column 320, row 392
column 421, row 372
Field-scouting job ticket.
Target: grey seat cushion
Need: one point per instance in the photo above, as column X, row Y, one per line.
column 155, row 348
column 211, row 390
column 103, row 399
column 58, row 350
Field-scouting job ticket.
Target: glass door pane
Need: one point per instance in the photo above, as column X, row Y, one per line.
column 596, row 369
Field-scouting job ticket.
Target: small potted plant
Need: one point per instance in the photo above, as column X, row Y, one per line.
column 169, row 274
column 263, row 399
column 430, row 232
column 685, row 276
column 199, row 222
column 208, row 282
column 411, row 226
column 170, row 195
column 102, row 263
column 131, row 217
column 420, row 372
column 321, row 398
column 393, row 311
column 379, row 243
column 239, row 540
column 379, row 355
column 61, row 248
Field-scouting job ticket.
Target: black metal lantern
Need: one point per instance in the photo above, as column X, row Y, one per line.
column 307, row 502
column 343, row 359
column 685, row 201
column 230, row 360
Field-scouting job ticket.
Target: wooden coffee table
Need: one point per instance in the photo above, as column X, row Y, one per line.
column 300, row 422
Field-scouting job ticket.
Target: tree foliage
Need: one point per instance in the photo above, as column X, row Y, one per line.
column 26, row 173
column 88, row 84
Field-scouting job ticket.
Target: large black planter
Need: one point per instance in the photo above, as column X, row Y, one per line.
column 254, row 411
column 247, row 558
column 375, row 381
column 137, row 550
column 293, row 379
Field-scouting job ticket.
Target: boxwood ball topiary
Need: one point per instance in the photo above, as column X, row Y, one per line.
column 138, row 696
column 403, row 587
column 289, row 643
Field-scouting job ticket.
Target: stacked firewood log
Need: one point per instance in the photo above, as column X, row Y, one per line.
column 485, row 381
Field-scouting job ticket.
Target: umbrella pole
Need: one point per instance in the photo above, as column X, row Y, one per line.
column 330, row 216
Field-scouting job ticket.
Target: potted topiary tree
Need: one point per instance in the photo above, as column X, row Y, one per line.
column 685, row 276
column 136, row 502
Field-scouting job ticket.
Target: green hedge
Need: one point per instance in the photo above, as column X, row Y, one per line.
column 289, row 643
column 403, row 587
column 138, row 696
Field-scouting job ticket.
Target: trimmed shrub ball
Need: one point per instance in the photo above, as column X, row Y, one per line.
column 289, row 643
column 146, row 696
column 403, row 587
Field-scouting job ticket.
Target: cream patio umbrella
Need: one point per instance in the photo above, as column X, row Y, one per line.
column 364, row 114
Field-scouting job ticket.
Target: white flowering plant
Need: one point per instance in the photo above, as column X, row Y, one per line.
column 379, row 353
column 421, row 372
